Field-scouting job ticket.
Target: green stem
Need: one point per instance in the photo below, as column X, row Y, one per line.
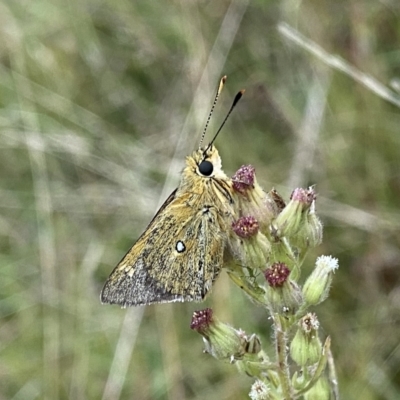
column 281, row 347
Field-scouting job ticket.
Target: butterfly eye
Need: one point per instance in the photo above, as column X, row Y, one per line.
column 206, row 168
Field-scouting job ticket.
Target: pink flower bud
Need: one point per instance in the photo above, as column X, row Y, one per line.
column 277, row 274
column 201, row 320
column 305, row 196
column 243, row 179
column 245, row 227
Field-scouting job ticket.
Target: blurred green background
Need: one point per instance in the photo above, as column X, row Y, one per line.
column 100, row 103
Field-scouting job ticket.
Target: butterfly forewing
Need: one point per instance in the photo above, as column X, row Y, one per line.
column 180, row 254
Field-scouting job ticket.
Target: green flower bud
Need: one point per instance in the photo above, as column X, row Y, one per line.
column 252, row 199
column 283, row 295
column 259, row 391
column 223, row 341
column 299, row 380
column 289, row 221
column 253, row 344
column 282, row 251
column 248, row 244
column 310, row 231
column 255, row 361
column 306, row 347
column 320, row 391
column 316, row 288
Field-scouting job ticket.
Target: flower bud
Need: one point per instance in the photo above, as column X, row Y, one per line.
column 306, row 347
column 253, row 344
column 277, row 274
column 259, row 391
column 248, row 244
column 252, row 199
column 283, row 295
column 258, row 366
column 320, row 391
column 243, row 180
column 282, row 251
column 316, row 288
column 254, row 361
column 289, row 221
column 310, row 231
column 245, row 227
column 221, row 340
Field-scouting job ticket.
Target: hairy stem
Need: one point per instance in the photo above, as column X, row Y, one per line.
column 281, row 347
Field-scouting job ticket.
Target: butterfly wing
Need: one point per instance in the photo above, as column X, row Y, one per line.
column 171, row 261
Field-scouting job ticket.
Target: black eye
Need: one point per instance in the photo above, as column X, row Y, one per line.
column 206, row 168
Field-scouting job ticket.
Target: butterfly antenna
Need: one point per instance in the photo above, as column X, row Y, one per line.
column 220, row 86
column 235, row 101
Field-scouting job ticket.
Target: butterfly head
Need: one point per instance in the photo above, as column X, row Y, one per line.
column 206, row 162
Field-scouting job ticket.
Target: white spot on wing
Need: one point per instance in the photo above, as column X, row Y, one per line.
column 180, row 246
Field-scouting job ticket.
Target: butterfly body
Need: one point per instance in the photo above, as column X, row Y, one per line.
column 180, row 254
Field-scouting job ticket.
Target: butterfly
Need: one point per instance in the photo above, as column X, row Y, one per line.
column 180, row 254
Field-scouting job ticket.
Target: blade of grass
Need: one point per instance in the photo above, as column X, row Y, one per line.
column 339, row 64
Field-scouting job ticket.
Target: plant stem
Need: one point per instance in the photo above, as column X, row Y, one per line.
column 281, row 356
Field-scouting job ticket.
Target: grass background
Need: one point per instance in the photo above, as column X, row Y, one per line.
column 101, row 101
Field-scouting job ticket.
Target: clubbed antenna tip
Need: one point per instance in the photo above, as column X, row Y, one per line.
column 235, row 101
